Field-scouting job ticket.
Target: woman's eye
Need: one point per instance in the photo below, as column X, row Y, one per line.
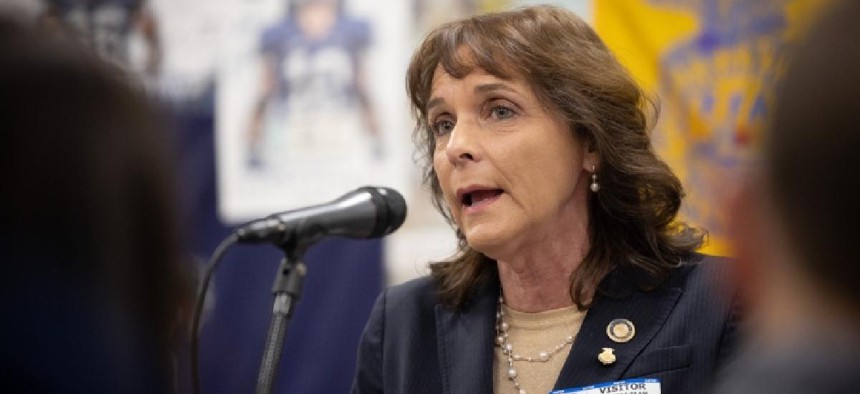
column 442, row 127
column 502, row 112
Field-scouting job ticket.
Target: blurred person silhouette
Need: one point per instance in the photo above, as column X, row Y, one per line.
column 91, row 282
column 107, row 27
column 796, row 225
column 313, row 94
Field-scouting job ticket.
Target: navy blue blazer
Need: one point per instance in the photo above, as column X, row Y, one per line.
column 684, row 333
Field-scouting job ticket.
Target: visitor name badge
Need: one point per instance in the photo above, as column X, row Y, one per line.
column 629, row 386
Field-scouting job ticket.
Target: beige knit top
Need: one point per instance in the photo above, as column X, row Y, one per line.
column 530, row 334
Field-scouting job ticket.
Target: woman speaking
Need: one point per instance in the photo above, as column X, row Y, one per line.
column 572, row 269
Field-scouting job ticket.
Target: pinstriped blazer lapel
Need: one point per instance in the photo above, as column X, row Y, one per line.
column 465, row 343
column 647, row 310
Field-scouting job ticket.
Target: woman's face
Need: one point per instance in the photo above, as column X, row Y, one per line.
column 510, row 170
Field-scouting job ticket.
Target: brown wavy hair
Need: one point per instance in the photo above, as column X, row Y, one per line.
column 632, row 219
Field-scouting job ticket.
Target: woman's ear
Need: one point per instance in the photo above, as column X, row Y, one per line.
column 590, row 158
column 585, row 138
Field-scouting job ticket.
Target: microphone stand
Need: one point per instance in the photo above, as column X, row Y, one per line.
column 287, row 290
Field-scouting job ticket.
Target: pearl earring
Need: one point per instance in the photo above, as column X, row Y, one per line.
column 594, row 185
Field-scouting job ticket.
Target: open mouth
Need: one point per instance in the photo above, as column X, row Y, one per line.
column 478, row 197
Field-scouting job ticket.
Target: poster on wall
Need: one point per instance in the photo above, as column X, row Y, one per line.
column 168, row 46
column 309, row 103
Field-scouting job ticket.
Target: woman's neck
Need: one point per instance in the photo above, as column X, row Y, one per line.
column 541, row 281
column 535, row 270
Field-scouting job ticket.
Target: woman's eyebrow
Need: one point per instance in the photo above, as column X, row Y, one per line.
column 479, row 89
column 433, row 103
column 492, row 87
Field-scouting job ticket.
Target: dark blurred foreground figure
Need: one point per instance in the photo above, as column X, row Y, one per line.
column 572, row 268
column 798, row 225
column 89, row 283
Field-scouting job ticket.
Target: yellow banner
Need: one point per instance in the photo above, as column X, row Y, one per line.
column 711, row 64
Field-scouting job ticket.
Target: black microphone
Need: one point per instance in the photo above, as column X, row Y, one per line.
column 368, row 212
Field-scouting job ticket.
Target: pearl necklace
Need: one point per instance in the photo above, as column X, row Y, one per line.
column 508, row 348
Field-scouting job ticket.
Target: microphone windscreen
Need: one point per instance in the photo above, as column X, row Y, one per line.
column 391, row 210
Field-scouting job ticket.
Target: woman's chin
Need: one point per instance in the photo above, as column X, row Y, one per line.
column 490, row 244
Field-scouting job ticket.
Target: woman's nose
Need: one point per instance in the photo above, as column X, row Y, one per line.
column 463, row 143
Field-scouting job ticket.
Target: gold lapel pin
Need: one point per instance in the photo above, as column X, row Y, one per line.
column 621, row 330
column 606, row 357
